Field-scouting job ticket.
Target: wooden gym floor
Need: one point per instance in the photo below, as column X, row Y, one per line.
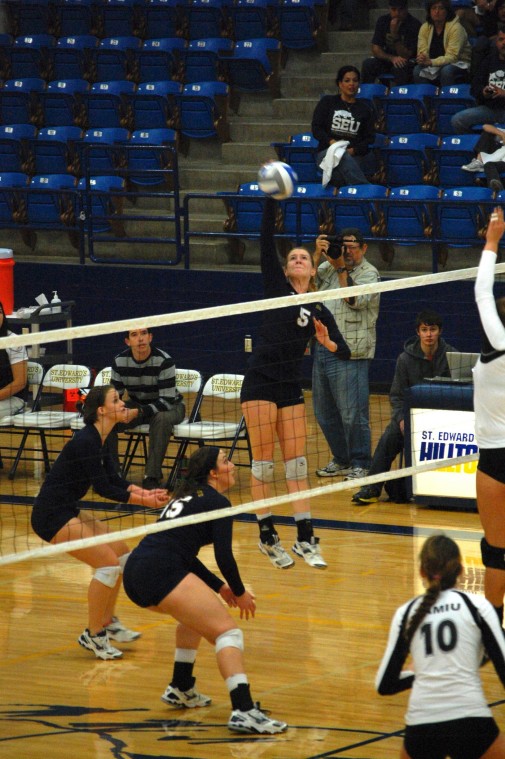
column 311, row 652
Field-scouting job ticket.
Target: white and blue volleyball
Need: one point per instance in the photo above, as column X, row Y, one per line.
column 277, row 179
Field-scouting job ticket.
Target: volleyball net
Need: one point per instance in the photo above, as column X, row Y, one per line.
column 441, row 442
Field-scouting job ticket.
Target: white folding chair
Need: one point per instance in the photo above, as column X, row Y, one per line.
column 35, row 373
column 222, row 393
column 189, row 382
column 102, row 378
column 58, row 377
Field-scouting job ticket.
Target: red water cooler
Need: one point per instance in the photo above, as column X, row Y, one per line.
column 7, row 280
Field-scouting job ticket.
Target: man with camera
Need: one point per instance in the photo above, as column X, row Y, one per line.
column 340, row 388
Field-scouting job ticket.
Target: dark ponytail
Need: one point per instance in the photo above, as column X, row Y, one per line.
column 200, row 464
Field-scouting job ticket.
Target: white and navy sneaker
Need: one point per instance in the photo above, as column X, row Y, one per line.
column 187, row 699
column 254, row 721
column 356, row 473
column 310, row 552
column 332, row 469
column 475, row 165
column 99, row 644
column 278, row 555
column 117, row 631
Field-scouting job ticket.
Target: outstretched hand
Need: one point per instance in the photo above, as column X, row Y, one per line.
column 496, row 226
column 247, row 604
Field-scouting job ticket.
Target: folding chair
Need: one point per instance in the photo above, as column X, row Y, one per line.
column 219, row 399
column 102, row 378
column 189, row 382
column 59, row 377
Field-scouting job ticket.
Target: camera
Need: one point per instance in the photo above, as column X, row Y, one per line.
column 335, row 247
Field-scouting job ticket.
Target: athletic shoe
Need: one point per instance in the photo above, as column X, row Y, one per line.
column 184, row 699
column 310, row 552
column 474, row 165
column 117, row 631
column 333, row 469
column 356, row 473
column 367, row 494
column 99, row 644
column 254, row 721
column 278, row 555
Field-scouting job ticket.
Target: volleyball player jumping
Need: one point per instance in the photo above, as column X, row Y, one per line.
column 56, row 517
column 489, row 405
column 272, row 398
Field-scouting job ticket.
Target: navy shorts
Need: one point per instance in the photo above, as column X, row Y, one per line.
column 466, row 738
column 258, row 387
column 148, row 578
column 47, row 520
column 492, row 463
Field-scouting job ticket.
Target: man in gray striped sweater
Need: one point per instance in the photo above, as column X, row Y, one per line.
column 144, row 377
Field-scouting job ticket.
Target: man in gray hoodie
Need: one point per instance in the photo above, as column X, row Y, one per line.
column 423, row 357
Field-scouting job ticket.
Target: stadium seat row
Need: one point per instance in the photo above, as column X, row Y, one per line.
column 297, row 23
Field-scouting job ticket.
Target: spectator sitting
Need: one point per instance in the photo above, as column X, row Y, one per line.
column 423, row 356
column 490, row 156
column 394, row 45
column 13, row 373
column 147, row 375
column 488, row 88
column 488, row 17
column 443, row 49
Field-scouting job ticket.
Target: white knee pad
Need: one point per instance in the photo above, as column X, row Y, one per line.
column 107, row 575
column 123, row 559
column 296, row 469
column 231, row 638
column 263, row 470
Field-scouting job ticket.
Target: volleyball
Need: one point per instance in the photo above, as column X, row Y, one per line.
column 277, row 179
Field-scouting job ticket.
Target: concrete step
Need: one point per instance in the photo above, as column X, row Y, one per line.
column 291, row 109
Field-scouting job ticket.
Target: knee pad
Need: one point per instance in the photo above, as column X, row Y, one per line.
column 122, row 560
column 231, row 638
column 492, row 557
column 296, row 469
column 263, row 470
column 107, row 575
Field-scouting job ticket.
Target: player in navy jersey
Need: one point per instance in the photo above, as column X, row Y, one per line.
column 446, row 631
column 165, row 575
column 272, row 398
column 56, row 515
column 489, row 405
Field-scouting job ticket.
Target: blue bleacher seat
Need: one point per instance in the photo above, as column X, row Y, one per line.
column 252, row 19
column 116, row 18
column 152, row 160
column 359, row 206
column 405, row 219
column 300, row 153
column 450, row 100
column 106, row 156
column 9, row 197
column 244, row 214
column 204, row 111
column 54, row 150
column 72, row 57
column 201, row 59
column 299, row 23
column 49, row 204
column 406, row 159
column 305, row 214
column 159, row 59
column 463, row 214
column 452, row 153
column 162, row 16
column 29, row 17
column 60, row 104
column 19, row 103
column 205, row 18
column 101, row 200
column 373, row 92
column 155, row 105
column 15, row 154
column 75, row 17
column 113, row 58
column 407, row 108
column 6, row 42
column 28, row 56
column 106, row 104
column 254, row 67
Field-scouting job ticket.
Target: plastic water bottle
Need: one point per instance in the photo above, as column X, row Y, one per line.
column 55, row 304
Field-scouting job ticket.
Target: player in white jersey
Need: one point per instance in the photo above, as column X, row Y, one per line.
column 446, row 631
column 489, row 405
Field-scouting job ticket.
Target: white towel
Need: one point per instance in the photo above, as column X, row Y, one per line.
column 498, row 155
column 332, row 159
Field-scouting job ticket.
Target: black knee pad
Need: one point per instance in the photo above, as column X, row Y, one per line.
column 492, row 557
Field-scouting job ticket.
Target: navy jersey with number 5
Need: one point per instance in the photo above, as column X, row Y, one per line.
column 285, row 332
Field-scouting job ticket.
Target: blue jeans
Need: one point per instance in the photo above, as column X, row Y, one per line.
column 389, row 446
column 448, row 74
column 463, row 121
column 348, row 171
column 340, row 397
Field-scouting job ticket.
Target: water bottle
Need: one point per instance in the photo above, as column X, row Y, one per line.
column 55, row 304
